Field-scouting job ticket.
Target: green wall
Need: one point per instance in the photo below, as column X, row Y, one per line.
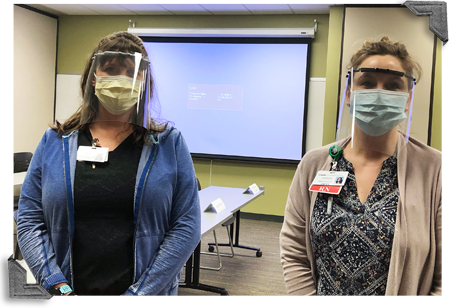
column 435, row 139
column 335, row 36
column 78, row 35
column 276, row 179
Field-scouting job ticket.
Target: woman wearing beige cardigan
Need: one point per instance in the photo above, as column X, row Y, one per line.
column 381, row 234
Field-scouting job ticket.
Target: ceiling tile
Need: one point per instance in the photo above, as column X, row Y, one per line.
column 182, row 9
column 68, row 9
column 186, row 9
column 108, row 9
column 269, row 8
column 146, row 9
column 227, row 9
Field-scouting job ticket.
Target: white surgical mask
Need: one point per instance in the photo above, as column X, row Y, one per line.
column 117, row 93
column 378, row 111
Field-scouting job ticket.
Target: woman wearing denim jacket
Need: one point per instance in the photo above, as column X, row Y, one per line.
column 110, row 205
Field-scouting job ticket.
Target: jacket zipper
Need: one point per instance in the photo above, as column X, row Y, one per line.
column 154, row 154
column 66, row 150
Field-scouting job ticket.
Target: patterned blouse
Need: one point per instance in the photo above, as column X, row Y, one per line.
column 353, row 244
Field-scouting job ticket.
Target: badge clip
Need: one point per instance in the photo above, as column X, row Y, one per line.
column 335, row 152
column 94, row 143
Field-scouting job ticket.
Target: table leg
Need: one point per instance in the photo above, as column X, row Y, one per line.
column 188, row 272
column 192, row 279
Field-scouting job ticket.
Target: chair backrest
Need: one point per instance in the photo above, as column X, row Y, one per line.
column 22, row 161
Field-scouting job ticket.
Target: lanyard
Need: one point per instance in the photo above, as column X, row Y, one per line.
column 335, row 152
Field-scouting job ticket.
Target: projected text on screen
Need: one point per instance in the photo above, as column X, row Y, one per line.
column 215, row 97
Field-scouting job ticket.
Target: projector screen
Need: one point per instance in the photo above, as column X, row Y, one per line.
column 234, row 98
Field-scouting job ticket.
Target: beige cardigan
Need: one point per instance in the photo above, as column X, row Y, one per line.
column 415, row 266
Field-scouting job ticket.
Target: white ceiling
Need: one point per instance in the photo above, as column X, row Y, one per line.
column 181, row 9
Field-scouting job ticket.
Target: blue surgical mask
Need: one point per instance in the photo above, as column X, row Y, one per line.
column 378, row 111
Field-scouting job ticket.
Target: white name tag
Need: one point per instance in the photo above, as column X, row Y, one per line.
column 253, row 189
column 87, row 153
column 329, row 182
column 337, row 178
column 216, row 206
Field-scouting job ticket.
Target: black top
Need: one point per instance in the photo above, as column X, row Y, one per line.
column 353, row 244
column 103, row 248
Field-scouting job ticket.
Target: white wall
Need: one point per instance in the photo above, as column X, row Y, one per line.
column 68, row 96
column 35, row 41
column 315, row 119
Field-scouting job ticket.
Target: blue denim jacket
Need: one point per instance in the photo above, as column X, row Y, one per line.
column 166, row 212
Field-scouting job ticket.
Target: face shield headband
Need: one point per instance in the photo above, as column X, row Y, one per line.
column 411, row 85
column 120, row 83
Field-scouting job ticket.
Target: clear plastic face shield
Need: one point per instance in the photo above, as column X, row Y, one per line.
column 376, row 109
column 118, row 88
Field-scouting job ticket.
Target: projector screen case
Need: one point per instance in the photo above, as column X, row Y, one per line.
column 225, row 32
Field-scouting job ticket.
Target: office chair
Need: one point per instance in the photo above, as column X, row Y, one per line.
column 16, row 203
column 21, row 162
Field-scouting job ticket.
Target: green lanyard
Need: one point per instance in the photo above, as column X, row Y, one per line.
column 335, row 152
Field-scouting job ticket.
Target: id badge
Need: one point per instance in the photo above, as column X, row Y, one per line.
column 97, row 154
column 329, row 182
